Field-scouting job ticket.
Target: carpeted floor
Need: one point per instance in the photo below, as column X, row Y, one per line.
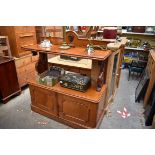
column 17, row 113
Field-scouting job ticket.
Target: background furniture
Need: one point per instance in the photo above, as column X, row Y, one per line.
column 19, row 37
column 142, row 86
column 150, row 109
column 136, row 41
column 151, row 73
column 26, row 68
column 8, row 79
column 5, row 46
column 55, row 33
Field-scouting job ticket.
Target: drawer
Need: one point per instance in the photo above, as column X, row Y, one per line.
column 23, row 61
column 21, row 73
column 26, row 39
column 30, row 76
column 35, row 58
column 23, row 29
column 22, row 81
column 30, row 68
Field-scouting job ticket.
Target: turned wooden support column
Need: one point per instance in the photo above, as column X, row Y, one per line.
column 42, row 64
column 97, row 74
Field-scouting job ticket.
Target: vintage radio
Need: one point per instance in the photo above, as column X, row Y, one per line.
column 75, row 81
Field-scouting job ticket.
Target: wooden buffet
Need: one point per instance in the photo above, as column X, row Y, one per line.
column 74, row 108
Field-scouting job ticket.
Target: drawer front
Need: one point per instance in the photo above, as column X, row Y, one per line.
column 23, row 61
column 26, row 73
column 21, row 76
column 22, row 81
column 23, row 40
column 26, row 39
column 30, row 76
column 35, row 58
column 23, row 29
column 30, row 68
column 44, row 99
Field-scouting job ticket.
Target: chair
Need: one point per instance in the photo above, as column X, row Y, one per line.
column 136, row 66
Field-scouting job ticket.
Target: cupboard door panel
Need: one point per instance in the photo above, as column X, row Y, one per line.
column 114, row 72
column 76, row 110
column 44, row 99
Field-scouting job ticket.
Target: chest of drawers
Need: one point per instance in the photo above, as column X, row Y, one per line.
column 19, row 36
column 25, row 68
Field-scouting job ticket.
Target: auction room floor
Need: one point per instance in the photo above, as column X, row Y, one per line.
column 17, row 112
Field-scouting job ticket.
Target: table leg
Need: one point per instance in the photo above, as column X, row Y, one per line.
column 42, row 64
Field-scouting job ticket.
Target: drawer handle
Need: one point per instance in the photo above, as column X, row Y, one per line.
column 26, row 35
column 26, row 45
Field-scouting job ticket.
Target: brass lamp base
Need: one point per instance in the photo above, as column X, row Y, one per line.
column 64, row 46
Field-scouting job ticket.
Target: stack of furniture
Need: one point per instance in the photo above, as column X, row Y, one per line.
column 20, row 37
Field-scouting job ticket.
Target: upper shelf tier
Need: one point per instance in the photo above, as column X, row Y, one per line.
column 76, row 52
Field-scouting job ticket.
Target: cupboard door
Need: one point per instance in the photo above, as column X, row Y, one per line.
column 44, row 99
column 77, row 110
column 113, row 79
